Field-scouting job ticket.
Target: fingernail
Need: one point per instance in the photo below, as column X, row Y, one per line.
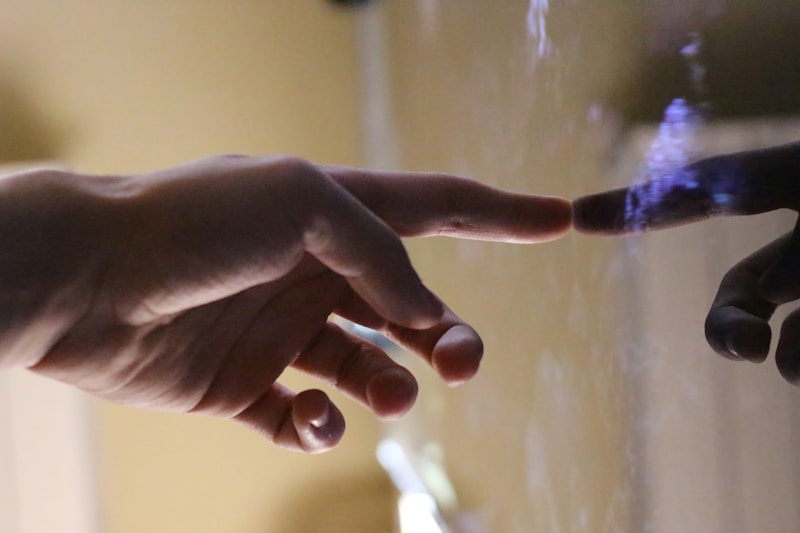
column 322, row 419
column 752, row 345
column 732, row 349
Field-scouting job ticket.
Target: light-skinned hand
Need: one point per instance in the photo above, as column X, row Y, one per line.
column 192, row 289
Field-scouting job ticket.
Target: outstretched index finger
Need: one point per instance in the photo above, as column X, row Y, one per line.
column 743, row 183
column 427, row 204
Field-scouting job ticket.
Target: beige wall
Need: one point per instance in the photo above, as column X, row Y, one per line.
column 598, row 397
column 122, row 86
column 536, row 442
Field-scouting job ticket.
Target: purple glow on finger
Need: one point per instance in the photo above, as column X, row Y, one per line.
column 664, row 174
column 664, row 170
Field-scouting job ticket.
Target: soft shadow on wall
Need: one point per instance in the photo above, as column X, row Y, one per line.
column 218, row 71
column 25, row 134
column 329, row 508
column 743, row 75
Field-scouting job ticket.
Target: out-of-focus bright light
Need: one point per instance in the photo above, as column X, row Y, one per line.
column 537, row 25
column 417, row 514
column 416, row 508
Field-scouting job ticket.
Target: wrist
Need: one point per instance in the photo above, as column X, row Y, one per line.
column 54, row 234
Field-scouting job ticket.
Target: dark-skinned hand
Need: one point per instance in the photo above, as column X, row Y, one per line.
column 745, row 183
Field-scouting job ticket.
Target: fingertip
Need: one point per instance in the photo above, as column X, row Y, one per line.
column 553, row 219
column 789, row 366
column 749, row 344
column 601, row 214
column 457, row 354
column 516, row 218
column 318, row 422
column 787, row 354
column 392, row 393
column 738, row 335
column 564, row 214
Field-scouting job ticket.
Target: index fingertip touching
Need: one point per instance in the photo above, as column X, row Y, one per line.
column 559, row 217
column 537, row 219
column 598, row 214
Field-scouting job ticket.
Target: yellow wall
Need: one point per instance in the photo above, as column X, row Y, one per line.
column 536, row 442
column 565, row 427
column 125, row 86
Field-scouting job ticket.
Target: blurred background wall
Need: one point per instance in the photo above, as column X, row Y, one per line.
column 599, row 406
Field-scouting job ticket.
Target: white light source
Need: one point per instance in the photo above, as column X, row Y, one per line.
column 417, row 510
column 417, row 513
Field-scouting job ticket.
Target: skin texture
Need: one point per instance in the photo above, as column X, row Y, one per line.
column 745, row 183
column 193, row 288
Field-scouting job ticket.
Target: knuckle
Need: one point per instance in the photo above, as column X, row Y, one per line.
column 231, row 157
column 303, row 183
column 297, row 168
